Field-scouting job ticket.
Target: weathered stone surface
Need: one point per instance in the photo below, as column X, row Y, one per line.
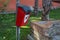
column 45, row 29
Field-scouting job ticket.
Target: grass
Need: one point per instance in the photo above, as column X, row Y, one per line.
column 55, row 14
column 8, row 28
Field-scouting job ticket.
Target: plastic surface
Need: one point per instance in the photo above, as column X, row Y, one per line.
column 23, row 14
column 25, row 8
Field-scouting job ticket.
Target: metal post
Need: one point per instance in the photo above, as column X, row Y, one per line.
column 36, row 8
column 17, row 33
column 17, row 28
column 17, row 1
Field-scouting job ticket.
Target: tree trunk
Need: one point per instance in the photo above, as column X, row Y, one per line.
column 36, row 8
column 46, row 9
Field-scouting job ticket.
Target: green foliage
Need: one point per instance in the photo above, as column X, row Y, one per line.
column 8, row 28
column 55, row 14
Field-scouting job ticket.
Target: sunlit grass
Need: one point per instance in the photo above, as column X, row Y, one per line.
column 8, row 27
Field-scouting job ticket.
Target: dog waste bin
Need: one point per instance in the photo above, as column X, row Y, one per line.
column 23, row 14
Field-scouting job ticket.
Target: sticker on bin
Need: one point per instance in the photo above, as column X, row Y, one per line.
column 26, row 18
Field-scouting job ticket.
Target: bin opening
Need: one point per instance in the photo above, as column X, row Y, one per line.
column 25, row 8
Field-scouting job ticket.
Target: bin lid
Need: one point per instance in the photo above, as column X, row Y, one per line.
column 25, row 8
